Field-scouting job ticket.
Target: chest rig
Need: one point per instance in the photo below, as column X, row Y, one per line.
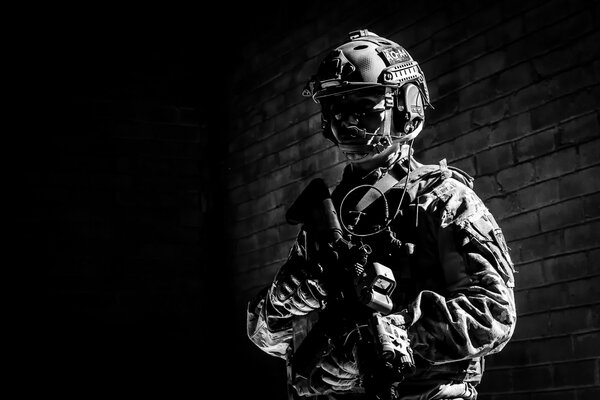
column 382, row 211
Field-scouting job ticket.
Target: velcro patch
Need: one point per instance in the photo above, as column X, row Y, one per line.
column 394, row 55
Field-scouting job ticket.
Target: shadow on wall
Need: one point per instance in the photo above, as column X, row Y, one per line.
column 124, row 199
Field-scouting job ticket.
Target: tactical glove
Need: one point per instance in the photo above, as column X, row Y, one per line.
column 297, row 288
column 337, row 372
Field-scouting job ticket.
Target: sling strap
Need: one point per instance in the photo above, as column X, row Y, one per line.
column 432, row 173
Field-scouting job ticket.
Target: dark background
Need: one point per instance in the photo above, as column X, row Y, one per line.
column 124, row 124
column 134, row 138
column 123, row 193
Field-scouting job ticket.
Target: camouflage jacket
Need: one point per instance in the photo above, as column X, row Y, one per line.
column 455, row 289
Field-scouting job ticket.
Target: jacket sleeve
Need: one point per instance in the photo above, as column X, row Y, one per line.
column 475, row 316
column 274, row 340
column 267, row 327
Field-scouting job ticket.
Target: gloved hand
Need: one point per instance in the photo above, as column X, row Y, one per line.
column 298, row 289
column 337, row 372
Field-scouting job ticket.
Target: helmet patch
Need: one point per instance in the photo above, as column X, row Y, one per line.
column 394, row 55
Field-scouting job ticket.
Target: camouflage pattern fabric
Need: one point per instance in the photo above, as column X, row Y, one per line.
column 455, row 291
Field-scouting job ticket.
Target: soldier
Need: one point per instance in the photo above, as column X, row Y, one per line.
column 425, row 233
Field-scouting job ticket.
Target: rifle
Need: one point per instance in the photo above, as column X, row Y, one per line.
column 359, row 293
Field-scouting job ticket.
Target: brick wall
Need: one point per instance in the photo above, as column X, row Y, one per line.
column 515, row 90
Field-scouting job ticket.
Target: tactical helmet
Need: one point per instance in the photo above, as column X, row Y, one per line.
column 367, row 60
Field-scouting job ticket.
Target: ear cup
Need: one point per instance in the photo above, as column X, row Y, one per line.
column 409, row 112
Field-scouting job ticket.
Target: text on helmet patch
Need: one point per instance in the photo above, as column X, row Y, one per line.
column 394, row 55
